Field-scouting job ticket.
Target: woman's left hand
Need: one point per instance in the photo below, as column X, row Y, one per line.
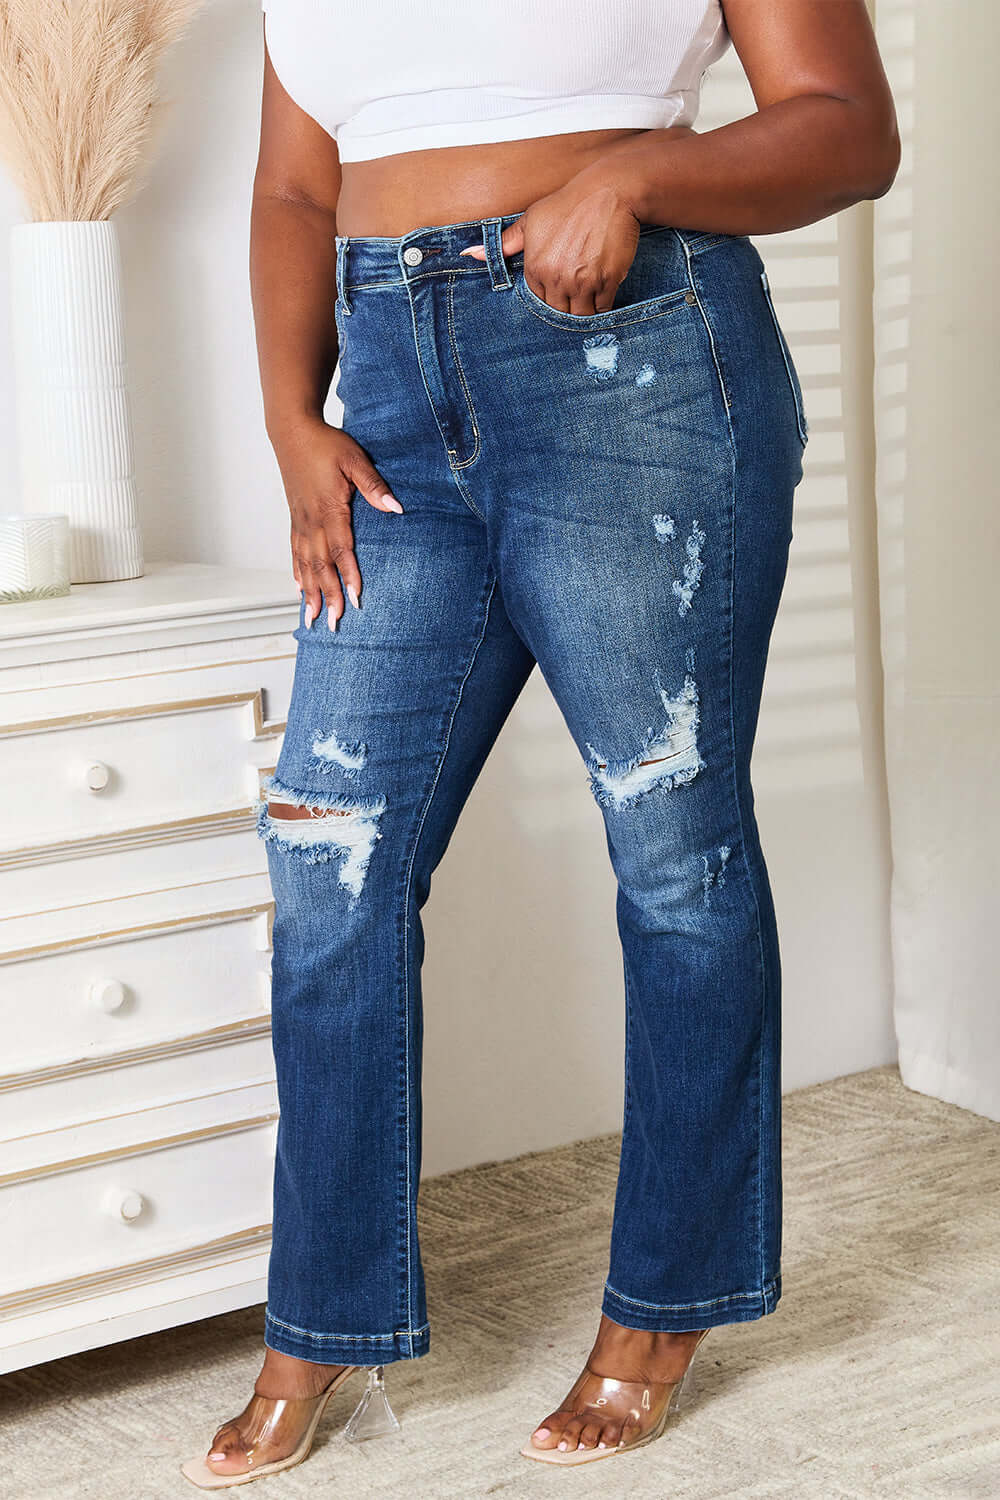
column 579, row 243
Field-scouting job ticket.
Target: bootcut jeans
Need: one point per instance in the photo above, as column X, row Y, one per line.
column 609, row 496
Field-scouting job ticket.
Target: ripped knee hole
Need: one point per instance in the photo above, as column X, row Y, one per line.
column 285, row 812
column 602, row 765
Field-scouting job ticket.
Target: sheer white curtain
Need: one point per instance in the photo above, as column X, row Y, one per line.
column 937, row 423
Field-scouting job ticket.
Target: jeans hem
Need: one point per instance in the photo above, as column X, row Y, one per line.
column 344, row 1348
column 677, row 1317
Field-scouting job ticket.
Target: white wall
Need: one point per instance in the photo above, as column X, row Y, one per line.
column 523, row 986
column 937, row 329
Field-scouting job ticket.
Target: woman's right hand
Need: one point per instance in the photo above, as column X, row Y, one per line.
column 320, row 467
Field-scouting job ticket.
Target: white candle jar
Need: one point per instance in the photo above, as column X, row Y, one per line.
column 34, row 557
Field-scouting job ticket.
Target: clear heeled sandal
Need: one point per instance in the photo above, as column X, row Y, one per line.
column 647, row 1403
column 270, row 1425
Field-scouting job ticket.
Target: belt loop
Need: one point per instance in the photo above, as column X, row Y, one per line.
column 499, row 273
column 342, row 244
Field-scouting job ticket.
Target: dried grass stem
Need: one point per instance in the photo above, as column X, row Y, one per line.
column 78, row 97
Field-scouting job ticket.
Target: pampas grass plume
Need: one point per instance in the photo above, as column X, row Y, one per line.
column 78, row 103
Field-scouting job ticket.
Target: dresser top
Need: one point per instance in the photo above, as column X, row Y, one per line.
column 167, row 591
column 173, row 604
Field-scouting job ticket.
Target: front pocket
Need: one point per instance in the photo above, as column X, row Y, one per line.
column 613, row 317
column 786, row 354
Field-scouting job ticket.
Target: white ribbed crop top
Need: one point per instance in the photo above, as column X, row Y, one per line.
column 382, row 76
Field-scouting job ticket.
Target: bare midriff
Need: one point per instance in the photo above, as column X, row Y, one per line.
column 451, row 184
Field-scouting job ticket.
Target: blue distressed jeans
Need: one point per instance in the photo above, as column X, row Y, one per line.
column 609, row 496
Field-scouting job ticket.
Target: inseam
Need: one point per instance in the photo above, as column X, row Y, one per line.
column 407, row 887
column 628, row 1055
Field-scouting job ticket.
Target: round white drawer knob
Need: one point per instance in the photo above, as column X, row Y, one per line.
column 123, row 1203
column 96, row 776
column 107, row 995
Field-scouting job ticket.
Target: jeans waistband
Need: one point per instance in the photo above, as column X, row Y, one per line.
column 431, row 250
column 436, row 250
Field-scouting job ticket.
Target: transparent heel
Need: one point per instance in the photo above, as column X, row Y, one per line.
column 373, row 1416
column 685, row 1391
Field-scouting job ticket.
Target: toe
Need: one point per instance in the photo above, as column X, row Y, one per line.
column 631, row 1428
column 548, row 1433
column 227, row 1454
column 590, row 1432
column 611, row 1436
column 570, row 1438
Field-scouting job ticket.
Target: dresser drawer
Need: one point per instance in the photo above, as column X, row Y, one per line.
column 69, row 1005
column 116, row 1213
column 114, row 771
column 101, row 1095
column 170, row 1011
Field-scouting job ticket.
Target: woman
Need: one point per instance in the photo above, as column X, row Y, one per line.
column 572, row 432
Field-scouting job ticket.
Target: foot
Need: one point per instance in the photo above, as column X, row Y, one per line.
column 250, row 1440
column 618, row 1354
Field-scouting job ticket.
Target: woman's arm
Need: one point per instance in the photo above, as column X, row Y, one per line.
column 824, row 137
column 293, row 260
column 293, row 288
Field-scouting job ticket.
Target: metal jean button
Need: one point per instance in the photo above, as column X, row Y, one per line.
column 413, row 255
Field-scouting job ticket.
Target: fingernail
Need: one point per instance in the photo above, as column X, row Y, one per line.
column 542, row 1432
column 309, row 616
column 564, row 1445
column 391, row 503
column 331, row 618
column 352, row 594
column 602, row 1445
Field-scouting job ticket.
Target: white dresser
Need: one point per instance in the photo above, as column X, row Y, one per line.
column 137, row 1097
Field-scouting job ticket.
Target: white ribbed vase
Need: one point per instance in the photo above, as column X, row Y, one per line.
column 74, row 423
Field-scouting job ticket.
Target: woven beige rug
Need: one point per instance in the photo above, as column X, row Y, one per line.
column 876, row 1376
